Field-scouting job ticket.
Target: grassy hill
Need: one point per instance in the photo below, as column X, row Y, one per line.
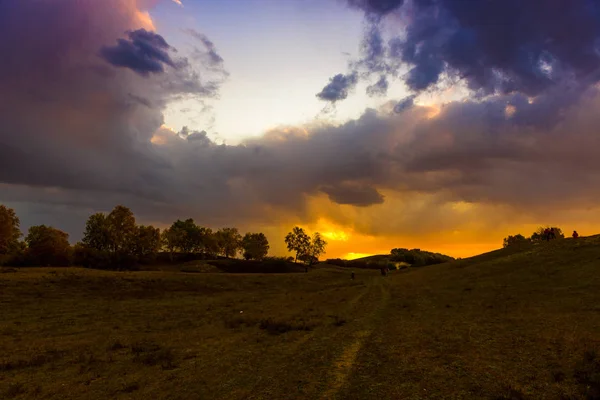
column 509, row 324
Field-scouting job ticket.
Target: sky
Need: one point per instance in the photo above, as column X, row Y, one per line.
column 436, row 124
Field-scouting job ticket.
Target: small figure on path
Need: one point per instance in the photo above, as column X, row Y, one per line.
column 575, row 235
column 352, row 276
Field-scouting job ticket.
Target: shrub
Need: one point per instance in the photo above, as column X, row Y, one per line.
column 516, row 241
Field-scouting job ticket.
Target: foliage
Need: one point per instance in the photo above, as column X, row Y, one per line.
column 147, row 242
column 184, row 236
column 97, row 233
column 116, row 239
column 307, row 250
column 540, row 234
column 297, row 241
column 9, row 232
column 122, row 230
column 418, row 257
column 337, row 262
column 316, row 249
column 89, row 257
column 516, row 241
column 255, row 246
column 229, row 241
column 48, row 246
column 210, row 242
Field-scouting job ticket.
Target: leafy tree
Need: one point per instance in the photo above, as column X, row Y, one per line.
column 229, row 241
column 171, row 239
column 255, row 246
column 210, row 242
column 122, row 230
column 316, row 249
column 539, row 234
column 9, row 231
column 147, row 242
column 185, row 236
column 97, row 233
column 113, row 233
column 48, row 246
column 515, row 241
column 298, row 241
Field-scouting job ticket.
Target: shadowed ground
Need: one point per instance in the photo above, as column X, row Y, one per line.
column 507, row 324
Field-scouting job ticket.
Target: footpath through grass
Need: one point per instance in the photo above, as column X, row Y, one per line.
column 507, row 324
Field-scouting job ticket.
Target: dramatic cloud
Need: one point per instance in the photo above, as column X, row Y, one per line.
column 379, row 88
column 144, row 52
column 404, row 104
column 376, row 7
column 80, row 134
column 495, row 46
column 338, row 87
column 353, row 194
column 212, row 57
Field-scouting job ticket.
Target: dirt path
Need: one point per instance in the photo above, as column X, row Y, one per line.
column 343, row 366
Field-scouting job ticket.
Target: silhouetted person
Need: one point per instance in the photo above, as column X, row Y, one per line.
column 305, row 269
column 352, row 275
column 575, row 235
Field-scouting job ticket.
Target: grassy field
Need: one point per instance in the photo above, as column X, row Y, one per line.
column 504, row 325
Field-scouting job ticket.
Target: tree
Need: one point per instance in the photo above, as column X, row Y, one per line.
column 122, row 230
column 185, row 236
column 210, row 242
column 147, row 242
column 9, row 231
column 97, row 233
column 229, row 240
column 171, row 239
column 515, row 241
column 316, row 248
column 539, row 235
column 255, row 246
column 48, row 246
column 297, row 241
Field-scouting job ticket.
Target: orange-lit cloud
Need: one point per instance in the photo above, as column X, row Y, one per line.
column 455, row 178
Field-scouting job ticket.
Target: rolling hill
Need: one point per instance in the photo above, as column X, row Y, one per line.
column 509, row 324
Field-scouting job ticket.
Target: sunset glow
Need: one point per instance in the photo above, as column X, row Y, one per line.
column 265, row 115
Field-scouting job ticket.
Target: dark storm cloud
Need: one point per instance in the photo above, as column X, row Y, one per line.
column 353, row 194
column 495, row 46
column 376, row 7
column 404, row 104
column 77, row 133
column 145, row 52
column 379, row 88
column 338, row 87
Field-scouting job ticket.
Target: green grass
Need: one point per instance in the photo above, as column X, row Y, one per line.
column 507, row 324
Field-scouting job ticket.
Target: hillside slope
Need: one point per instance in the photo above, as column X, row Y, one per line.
column 509, row 324
column 505, row 324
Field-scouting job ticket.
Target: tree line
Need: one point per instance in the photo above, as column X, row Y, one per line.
column 398, row 258
column 115, row 240
column 541, row 234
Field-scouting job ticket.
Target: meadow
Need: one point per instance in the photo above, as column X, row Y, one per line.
column 510, row 324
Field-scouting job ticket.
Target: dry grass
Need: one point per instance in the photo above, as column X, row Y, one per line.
column 505, row 325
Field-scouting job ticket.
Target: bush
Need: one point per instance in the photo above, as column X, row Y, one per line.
column 337, row 262
column 516, row 241
column 418, row 257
